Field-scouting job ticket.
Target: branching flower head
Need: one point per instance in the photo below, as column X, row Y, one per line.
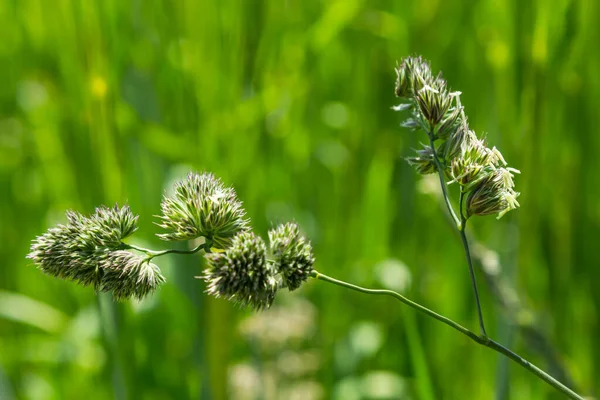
column 90, row 251
column 242, row 272
column 292, row 254
column 73, row 251
column 87, row 250
column 203, row 206
column 461, row 156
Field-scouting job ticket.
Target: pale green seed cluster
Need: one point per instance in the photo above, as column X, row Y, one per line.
column 250, row 273
column 481, row 172
column 203, row 206
column 242, row 269
column 292, row 254
column 88, row 250
column 242, row 273
column 240, row 266
column 129, row 275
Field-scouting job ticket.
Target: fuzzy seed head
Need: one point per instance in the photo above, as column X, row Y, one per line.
column 481, row 172
column 411, row 75
column 403, row 83
column 434, row 103
column 450, row 124
column 292, row 254
column 454, row 146
column 128, row 275
column 203, row 206
column 87, row 250
column 494, row 194
column 242, row 273
column 73, row 251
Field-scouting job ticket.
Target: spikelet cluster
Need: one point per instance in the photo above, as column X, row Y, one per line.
column 126, row 275
column 292, row 254
column 240, row 266
column 87, row 250
column 249, row 272
column 242, row 273
column 481, row 172
column 202, row 205
column 244, row 269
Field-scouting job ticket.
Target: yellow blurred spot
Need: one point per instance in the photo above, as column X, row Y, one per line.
column 498, row 54
column 98, row 87
column 540, row 43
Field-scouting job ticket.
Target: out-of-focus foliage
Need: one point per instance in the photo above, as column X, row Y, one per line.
column 105, row 102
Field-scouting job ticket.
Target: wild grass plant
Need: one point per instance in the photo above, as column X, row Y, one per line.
column 242, row 267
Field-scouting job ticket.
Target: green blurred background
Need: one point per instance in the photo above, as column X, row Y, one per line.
column 289, row 101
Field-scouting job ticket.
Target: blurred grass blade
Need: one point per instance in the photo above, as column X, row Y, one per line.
column 19, row 308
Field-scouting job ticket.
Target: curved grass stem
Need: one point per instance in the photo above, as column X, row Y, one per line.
column 154, row 253
column 460, row 225
column 465, row 242
column 440, row 171
column 480, row 339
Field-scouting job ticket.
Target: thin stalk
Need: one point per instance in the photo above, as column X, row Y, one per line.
column 482, row 340
column 410, row 303
column 465, row 242
column 440, row 170
column 533, row 369
column 153, row 253
column 507, row 297
column 461, row 225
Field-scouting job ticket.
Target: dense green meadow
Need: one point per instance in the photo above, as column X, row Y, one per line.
column 105, row 102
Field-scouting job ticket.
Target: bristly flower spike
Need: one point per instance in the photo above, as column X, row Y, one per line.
column 242, row 273
column 493, row 195
column 292, row 254
column 203, row 206
column 88, row 250
column 480, row 171
column 129, row 275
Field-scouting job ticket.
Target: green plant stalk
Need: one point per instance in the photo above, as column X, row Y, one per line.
column 440, row 170
column 460, row 225
column 465, row 242
column 503, row 293
column 482, row 340
column 157, row 253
